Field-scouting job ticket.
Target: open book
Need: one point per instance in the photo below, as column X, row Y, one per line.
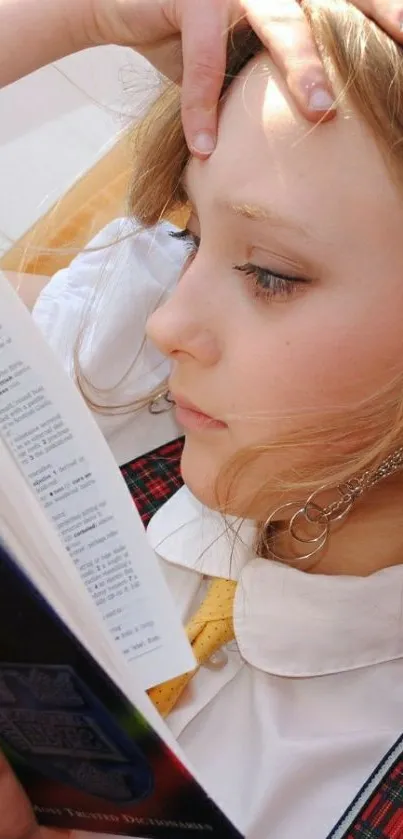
column 86, row 620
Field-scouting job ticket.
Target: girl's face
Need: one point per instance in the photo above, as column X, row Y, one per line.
column 291, row 305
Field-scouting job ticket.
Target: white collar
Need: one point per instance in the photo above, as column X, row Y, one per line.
column 185, row 532
column 287, row 622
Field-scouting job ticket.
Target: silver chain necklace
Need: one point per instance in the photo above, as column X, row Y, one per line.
column 353, row 489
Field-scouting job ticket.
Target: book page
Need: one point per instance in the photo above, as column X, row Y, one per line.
column 45, row 731
column 33, row 542
column 57, row 444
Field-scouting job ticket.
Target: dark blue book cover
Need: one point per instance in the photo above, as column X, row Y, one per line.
column 87, row 759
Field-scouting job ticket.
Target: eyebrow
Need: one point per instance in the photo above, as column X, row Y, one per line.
column 251, row 212
column 254, row 212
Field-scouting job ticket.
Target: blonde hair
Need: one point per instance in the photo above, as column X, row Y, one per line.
column 370, row 67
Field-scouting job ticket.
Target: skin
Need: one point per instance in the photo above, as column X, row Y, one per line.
column 260, row 365
column 17, row 819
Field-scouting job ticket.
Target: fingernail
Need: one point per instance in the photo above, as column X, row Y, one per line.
column 320, row 100
column 204, row 143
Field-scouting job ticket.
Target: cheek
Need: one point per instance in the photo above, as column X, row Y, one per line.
column 308, row 363
column 291, row 367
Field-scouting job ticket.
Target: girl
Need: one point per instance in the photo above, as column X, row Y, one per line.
column 281, row 347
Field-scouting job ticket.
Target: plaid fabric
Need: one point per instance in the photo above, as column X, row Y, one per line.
column 377, row 811
column 152, row 478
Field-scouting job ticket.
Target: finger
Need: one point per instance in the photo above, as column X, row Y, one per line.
column 205, row 25
column 17, row 819
column 285, row 31
column 387, row 13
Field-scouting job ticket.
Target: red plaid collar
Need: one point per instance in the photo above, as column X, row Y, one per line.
column 154, row 477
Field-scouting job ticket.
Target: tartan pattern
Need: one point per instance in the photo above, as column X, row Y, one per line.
column 377, row 810
column 382, row 815
column 152, row 478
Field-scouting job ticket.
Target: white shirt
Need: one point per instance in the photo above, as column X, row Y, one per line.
column 311, row 696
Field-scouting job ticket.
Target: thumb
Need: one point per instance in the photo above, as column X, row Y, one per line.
column 17, row 820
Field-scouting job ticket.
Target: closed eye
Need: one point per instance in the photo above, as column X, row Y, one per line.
column 269, row 284
column 266, row 284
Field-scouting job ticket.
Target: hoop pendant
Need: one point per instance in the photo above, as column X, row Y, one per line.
column 320, row 540
column 313, row 539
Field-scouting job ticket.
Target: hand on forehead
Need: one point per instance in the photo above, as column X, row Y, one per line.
column 330, row 183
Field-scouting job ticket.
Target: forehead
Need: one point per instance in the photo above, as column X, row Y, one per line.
column 267, row 152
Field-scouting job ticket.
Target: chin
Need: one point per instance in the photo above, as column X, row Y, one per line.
column 199, row 472
column 200, row 468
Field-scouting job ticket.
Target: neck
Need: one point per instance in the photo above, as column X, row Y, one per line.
column 369, row 539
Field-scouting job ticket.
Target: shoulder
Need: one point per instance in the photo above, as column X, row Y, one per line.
column 107, row 293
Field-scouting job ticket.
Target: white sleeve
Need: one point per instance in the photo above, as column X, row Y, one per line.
column 101, row 302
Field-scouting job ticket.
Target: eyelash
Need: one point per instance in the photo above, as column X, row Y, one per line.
column 267, row 284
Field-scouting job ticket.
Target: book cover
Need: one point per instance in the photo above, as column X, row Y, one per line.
column 87, row 759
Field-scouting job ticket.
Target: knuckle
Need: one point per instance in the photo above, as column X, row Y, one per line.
column 195, row 104
column 201, row 88
column 304, row 64
column 204, row 68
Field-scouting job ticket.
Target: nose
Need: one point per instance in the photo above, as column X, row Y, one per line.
column 183, row 327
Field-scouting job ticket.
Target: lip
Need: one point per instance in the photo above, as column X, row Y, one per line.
column 191, row 417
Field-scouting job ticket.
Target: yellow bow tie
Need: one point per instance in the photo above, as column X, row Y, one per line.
column 208, row 630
